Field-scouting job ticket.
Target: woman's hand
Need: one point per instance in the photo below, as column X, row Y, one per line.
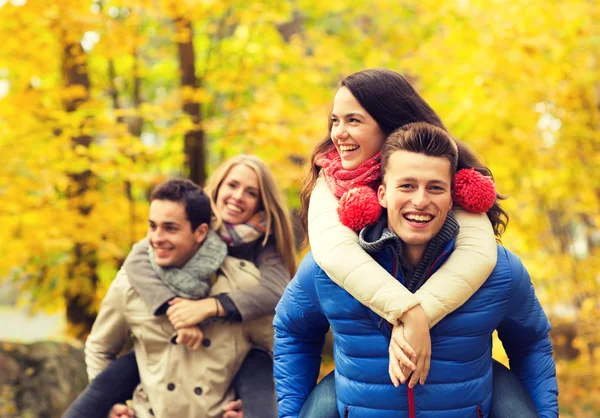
column 234, row 409
column 416, row 332
column 400, row 365
column 185, row 313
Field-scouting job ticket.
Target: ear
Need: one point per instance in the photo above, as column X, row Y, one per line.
column 200, row 233
column 381, row 195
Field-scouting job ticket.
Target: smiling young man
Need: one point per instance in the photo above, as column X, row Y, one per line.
column 188, row 371
column 412, row 239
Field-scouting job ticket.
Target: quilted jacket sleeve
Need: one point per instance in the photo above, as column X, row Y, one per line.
column 524, row 334
column 300, row 328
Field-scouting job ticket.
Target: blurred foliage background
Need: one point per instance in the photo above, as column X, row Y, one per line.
column 102, row 99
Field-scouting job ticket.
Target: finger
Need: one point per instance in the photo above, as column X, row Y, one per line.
column 404, row 345
column 426, row 367
column 397, row 367
column 399, row 375
column 181, row 338
column 184, row 323
column 392, row 374
column 405, row 372
column 234, row 405
column 179, row 324
column 417, row 373
column 196, row 345
column 119, row 409
column 175, row 301
column 401, row 356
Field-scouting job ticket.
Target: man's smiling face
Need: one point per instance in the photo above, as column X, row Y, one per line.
column 170, row 233
column 416, row 191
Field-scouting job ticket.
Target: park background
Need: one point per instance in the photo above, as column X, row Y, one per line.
column 100, row 100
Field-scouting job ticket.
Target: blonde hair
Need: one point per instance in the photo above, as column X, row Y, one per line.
column 278, row 219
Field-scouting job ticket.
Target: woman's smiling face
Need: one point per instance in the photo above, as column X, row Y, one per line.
column 355, row 134
column 238, row 197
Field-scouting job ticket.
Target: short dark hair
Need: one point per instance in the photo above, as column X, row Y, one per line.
column 197, row 204
column 421, row 138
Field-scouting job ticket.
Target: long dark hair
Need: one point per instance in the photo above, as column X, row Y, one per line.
column 393, row 102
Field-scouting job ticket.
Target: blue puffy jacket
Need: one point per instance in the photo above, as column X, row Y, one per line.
column 460, row 380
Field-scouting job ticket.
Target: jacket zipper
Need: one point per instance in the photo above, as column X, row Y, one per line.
column 411, row 403
column 411, row 393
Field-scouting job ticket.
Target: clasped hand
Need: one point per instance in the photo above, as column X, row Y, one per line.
column 185, row 314
column 410, row 348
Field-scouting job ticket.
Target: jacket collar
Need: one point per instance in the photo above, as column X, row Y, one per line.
column 377, row 237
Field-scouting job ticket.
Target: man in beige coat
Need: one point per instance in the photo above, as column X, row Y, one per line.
column 186, row 372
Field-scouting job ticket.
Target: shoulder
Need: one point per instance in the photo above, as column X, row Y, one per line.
column 236, row 267
column 121, row 282
column 308, row 267
column 510, row 267
column 268, row 253
column 300, row 296
column 255, row 250
column 120, row 291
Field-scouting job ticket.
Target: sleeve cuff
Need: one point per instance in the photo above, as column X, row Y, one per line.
column 231, row 311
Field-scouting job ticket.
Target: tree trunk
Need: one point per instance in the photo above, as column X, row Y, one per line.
column 75, row 73
column 194, row 147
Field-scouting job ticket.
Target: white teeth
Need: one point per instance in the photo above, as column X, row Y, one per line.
column 419, row 218
column 348, row 147
column 233, row 208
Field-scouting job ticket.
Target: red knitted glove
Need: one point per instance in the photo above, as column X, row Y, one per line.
column 473, row 191
column 359, row 207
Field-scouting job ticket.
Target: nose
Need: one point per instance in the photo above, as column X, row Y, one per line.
column 238, row 193
column 156, row 235
column 339, row 132
column 420, row 199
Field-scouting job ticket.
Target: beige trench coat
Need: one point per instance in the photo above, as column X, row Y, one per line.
column 175, row 381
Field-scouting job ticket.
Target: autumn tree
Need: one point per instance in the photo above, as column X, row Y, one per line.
column 163, row 88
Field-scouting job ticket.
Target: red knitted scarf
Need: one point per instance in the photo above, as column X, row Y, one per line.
column 340, row 180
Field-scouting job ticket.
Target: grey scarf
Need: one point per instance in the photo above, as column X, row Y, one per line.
column 193, row 280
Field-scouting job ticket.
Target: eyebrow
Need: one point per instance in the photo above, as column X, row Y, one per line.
column 254, row 189
column 413, row 179
column 163, row 223
column 350, row 115
column 441, row 182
